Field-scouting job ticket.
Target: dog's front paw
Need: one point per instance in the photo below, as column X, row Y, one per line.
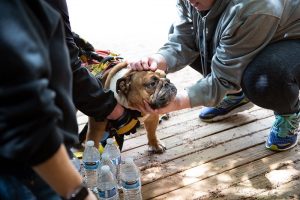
column 157, row 148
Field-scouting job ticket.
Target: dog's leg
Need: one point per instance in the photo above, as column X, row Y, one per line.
column 155, row 145
column 95, row 130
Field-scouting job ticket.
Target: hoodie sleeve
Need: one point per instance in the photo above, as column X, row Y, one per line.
column 240, row 42
column 181, row 49
column 88, row 93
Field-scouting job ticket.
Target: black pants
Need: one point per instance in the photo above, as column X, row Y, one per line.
column 272, row 79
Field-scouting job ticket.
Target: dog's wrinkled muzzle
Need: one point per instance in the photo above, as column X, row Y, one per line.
column 164, row 93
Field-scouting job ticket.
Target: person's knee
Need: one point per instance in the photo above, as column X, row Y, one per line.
column 272, row 74
column 248, row 83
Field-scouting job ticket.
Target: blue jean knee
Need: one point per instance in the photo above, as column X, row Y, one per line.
column 25, row 187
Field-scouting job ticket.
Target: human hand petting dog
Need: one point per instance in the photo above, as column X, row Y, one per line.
column 154, row 62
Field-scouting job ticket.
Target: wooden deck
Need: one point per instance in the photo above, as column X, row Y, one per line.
column 222, row 160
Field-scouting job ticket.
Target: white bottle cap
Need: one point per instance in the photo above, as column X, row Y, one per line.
column 110, row 141
column 90, row 143
column 105, row 168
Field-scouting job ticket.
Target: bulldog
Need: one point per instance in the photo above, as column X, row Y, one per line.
column 131, row 88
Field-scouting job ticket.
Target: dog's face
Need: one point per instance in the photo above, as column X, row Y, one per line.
column 153, row 87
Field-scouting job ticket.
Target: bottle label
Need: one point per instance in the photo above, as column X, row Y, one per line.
column 117, row 161
column 131, row 184
column 91, row 165
column 107, row 193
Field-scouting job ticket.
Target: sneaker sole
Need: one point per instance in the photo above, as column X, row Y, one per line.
column 242, row 108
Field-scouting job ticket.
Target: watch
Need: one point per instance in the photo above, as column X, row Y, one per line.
column 80, row 193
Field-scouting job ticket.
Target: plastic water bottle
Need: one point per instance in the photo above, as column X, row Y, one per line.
column 91, row 161
column 107, row 185
column 131, row 180
column 113, row 151
column 76, row 162
column 107, row 161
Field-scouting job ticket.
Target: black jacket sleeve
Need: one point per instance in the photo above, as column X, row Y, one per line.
column 88, row 93
column 36, row 110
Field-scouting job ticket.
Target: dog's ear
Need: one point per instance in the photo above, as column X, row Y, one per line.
column 123, row 85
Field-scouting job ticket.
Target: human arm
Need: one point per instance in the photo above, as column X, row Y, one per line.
column 88, row 93
column 181, row 101
column 59, row 172
column 242, row 35
column 179, row 51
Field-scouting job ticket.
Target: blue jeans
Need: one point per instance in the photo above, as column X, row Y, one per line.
column 28, row 186
column 272, row 79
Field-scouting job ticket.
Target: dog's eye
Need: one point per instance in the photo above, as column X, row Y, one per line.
column 154, row 78
column 152, row 84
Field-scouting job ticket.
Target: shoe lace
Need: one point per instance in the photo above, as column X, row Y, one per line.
column 286, row 124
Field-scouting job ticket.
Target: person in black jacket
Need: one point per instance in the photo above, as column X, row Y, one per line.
column 88, row 93
column 37, row 115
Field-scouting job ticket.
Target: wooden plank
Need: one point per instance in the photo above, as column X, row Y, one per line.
column 179, row 119
column 78, row 113
column 197, row 142
column 82, row 119
column 185, row 133
column 174, row 127
column 267, row 185
column 207, row 188
column 174, row 122
column 286, row 191
column 163, row 170
column 203, row 171
column 80, row 127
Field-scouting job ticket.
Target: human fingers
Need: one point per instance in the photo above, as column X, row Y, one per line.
column 141, row 109
column 135, row 65
column 153, row 65
column 149, row 109
column 145, row 63
column 146, row 108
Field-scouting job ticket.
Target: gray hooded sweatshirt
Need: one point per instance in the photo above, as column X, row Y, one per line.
column 227, row 38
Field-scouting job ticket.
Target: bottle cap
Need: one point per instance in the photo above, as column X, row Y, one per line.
column 90, row 143
column 105, row 168
column 110, row 141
